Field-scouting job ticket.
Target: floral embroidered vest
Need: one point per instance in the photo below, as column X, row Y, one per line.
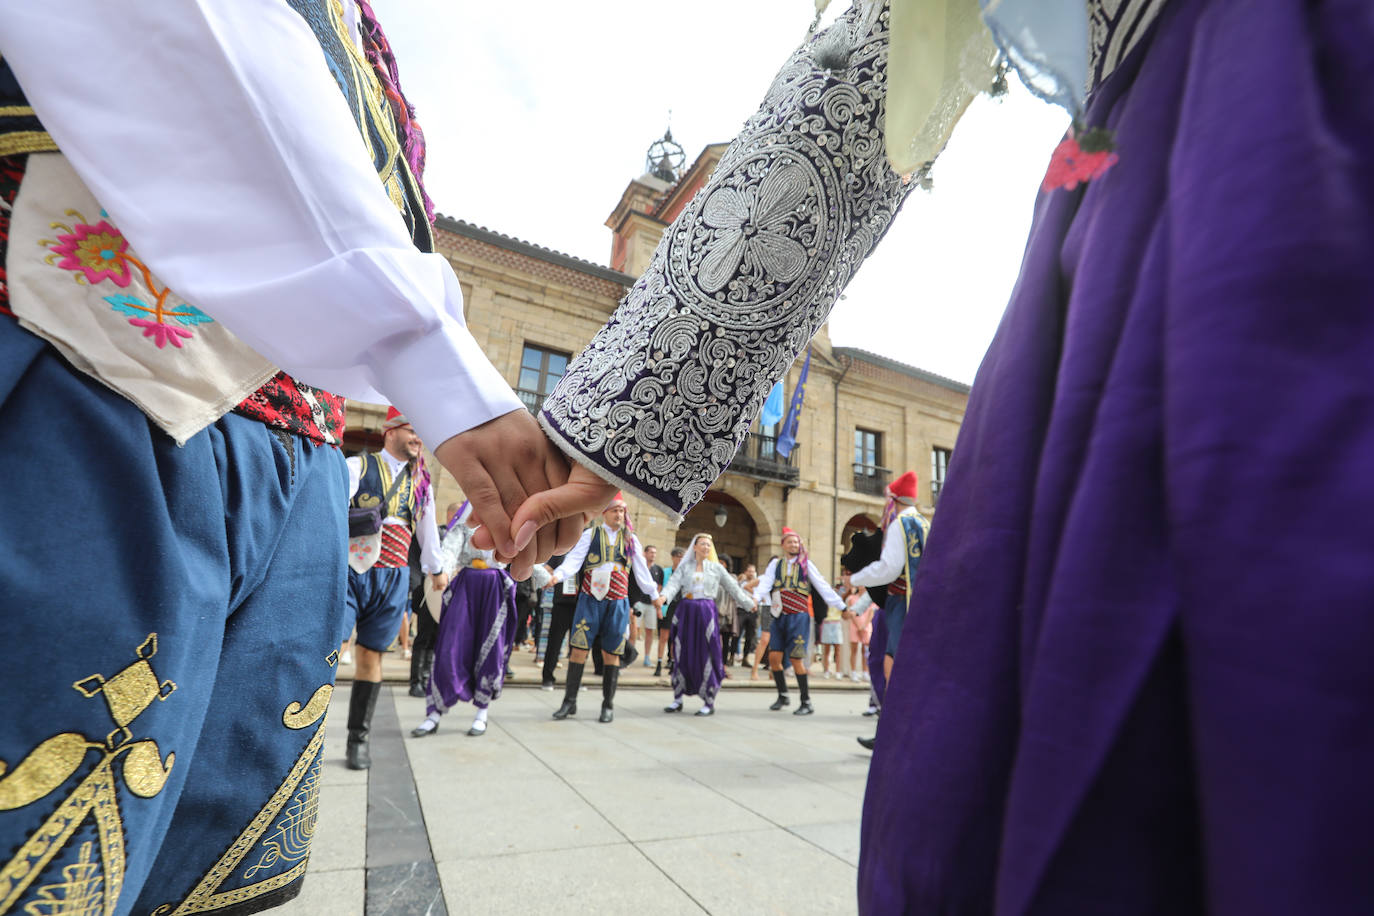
column 607, row 549
column 794, row 586
column 373, row 485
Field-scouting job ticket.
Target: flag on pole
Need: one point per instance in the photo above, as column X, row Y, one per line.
column 787, row 439
column 772, row 408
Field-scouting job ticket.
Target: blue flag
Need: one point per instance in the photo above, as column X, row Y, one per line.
column 772, row 408
column 787, row 439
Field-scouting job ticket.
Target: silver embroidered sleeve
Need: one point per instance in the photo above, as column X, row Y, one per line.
column 662, row 397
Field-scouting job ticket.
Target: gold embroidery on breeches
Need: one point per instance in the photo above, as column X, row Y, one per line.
column 89, row 887
column 289, row 842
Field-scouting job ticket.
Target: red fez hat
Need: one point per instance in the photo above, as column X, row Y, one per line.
column 789, row 533
column 903, row 489
column 617, row 500
column 394, row 419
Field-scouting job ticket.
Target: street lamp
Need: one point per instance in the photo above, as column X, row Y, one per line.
column 722, row 516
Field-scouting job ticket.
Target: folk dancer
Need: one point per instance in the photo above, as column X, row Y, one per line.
column 426, row 601
column 904, row 539
column 698, row 664
column 786, row 585
column 477, row 623
column 604, row 557
column 186, row 300
column 394, row 483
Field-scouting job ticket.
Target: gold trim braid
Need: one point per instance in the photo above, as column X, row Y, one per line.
column 26, row 141
column 204, row 899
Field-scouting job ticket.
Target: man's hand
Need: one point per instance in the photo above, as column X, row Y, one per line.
column 500, row 465
column 438, row 581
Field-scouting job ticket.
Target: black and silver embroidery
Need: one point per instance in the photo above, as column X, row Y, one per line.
column 664, row 394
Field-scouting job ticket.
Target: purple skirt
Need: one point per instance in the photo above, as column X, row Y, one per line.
column 698, row 665
column 1140, row 677
column 476, row 635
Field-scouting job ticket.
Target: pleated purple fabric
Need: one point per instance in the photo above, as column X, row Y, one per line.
column 476, row 636
column 1138, row 675
column 698, row 666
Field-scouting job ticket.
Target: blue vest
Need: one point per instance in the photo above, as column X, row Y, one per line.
column 793, row 579
column 914, row 529
column 371, row 112
column 20, row 129
column 376, row 479
column 603, row 550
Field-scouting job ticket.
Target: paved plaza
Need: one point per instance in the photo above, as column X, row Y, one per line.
column 747, row 811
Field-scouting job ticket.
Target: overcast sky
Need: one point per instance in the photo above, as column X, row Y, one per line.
column 539, row 113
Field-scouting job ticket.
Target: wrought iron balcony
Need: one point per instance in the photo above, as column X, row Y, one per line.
column 871, row 479
column 759, row 457
column 531, row 399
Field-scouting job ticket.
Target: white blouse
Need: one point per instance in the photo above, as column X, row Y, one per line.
column 707, row 581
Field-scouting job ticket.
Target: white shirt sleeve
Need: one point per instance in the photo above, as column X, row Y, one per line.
column 226, row 154
column 732, row 587
column 818, row 582
column 572, row 563
column 890, row 563
column 675, row 583
column 428, row 534
column 641, row 570
column 766, row 582
column 355, row 474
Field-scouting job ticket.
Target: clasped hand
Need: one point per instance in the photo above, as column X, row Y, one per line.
column 528, row 503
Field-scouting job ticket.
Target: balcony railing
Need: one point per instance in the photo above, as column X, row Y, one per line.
column 759, row 457
column 871, row 479
column 532, row 400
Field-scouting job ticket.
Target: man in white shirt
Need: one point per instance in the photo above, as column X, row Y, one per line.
column 603, row 557
column 242, row 241
column 904, row 540
column 786, row 587
column 393, row 482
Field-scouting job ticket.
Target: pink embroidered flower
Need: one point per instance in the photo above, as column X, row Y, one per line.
column 1079, row 159
column 162, row 334
column 97, row 251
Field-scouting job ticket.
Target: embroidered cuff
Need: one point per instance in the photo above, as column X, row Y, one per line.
column 661, row 399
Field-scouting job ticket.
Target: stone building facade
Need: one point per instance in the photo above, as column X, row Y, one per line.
column 865, row 418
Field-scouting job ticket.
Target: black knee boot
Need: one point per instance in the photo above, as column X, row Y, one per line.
column 426, row 672
column 805, row 708
column 609, row 678
column 780, row 678
column 417, row 661
column 569, row 707
column 361, row 701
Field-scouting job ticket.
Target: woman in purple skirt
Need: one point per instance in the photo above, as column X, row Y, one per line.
column 698, row 666
column 476, row 633
column 1138, row 677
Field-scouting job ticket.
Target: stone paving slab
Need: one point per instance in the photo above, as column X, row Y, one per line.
column 674, row 812
column 757, row 872
column 613, row 880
